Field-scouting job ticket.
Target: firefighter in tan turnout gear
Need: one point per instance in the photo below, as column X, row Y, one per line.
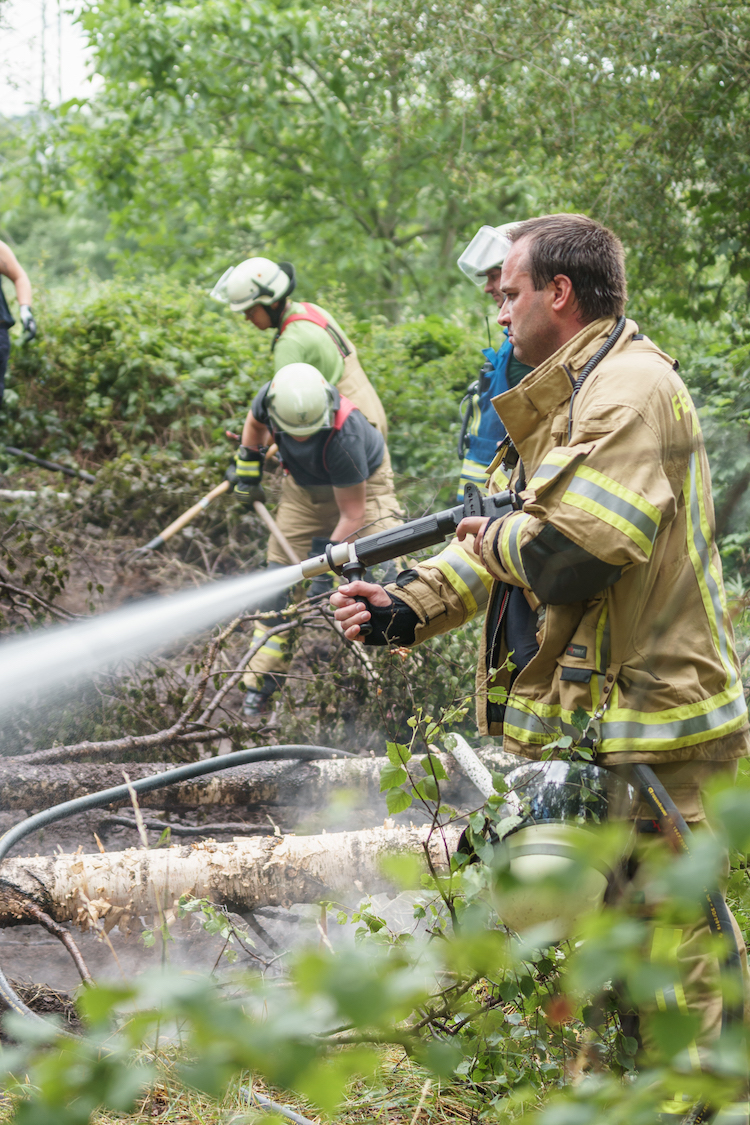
column 338, row 482
column 304, row 335
column 606, row 583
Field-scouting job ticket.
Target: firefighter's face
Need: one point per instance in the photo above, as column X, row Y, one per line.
column 258, row 315
column 528, row 313
column 492, row 284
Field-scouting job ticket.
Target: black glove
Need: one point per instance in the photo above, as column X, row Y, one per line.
column 28, row 322
column 244, row 475
column 322, row 583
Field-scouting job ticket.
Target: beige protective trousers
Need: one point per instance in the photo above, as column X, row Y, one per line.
column 689, row 946
column 302, row 514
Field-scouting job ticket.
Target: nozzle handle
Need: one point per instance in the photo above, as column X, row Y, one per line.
column 407, row 538
column 351, row 572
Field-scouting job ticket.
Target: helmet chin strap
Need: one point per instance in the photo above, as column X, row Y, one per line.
column 275, row 314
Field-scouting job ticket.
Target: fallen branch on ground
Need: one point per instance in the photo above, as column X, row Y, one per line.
column 272, row 871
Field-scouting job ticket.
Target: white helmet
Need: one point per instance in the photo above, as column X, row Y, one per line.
column 559, row 868
column 299, row 400
column 256, row 281
column 487, row 250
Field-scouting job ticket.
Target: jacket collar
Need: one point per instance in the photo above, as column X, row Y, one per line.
column 547, row 389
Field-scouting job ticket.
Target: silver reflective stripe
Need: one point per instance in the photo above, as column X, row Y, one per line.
column 679, row 728
column 515, row 550
column 474, row 471
column 527, row 720
column 547, row 471
column 616, row 505
column 704, row 553
column 466, row 572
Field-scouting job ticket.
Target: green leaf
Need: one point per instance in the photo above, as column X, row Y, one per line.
column 398, row 754
column 392, row 776
column 498, row 782
column 427, row 789
column 580, row 719
column 476, row 823
column 398, row 800
column 432, row 765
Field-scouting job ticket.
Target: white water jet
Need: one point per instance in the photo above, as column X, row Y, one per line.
column 56, row 656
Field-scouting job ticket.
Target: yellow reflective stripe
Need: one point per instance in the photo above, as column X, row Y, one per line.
column 476, row 416
column 510, row 547
column 601, row 655
column 500, row 478
column 474, row 471
column 273, row 646
column 611, row 502
column 601, row 652
column 616, row 489
column 623, row 729
column 700, row 543
column 665, row 947
column 552, row 465
column 467, row 576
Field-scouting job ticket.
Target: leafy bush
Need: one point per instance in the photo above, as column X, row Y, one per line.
column 163, row 369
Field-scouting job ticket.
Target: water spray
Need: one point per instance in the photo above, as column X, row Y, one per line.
column 61, row 654
column 58, row 655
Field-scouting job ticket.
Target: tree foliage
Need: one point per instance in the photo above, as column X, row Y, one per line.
column 370, row 141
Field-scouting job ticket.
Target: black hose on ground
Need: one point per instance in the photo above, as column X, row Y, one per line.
column 291, row 752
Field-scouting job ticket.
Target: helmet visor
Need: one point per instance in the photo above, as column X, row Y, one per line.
column 486, row 251
column 568, row 792
column 219, row 291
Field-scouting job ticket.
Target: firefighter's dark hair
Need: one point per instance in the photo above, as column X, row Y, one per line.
column 586, row 252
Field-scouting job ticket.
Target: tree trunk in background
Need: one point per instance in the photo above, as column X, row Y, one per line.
column 263, row 783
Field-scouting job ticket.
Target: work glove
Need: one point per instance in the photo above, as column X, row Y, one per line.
column 244, row 475
column 322, row 583
column 28, row 322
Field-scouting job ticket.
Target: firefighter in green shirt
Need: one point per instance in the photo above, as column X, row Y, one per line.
column 304, row 332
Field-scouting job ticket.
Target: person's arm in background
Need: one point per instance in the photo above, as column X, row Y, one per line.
column 351, row 504
column 254, row 433
column 11, row 268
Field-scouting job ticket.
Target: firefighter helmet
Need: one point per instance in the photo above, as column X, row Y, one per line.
column 299, row 400
column 256, row 281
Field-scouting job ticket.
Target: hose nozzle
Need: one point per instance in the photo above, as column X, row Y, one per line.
column 336, row 555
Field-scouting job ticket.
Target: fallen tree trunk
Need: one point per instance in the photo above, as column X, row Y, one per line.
column 284, row 783
column 250, row 872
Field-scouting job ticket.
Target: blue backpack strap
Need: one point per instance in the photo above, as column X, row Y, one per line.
column 483, row 437
column 483, row 431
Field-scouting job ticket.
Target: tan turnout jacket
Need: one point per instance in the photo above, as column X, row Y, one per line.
column 652, row 656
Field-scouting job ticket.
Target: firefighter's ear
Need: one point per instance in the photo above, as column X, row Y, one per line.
column 563, row 294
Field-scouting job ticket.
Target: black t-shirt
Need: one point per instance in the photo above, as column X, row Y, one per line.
column 6, row 319
column 339, row 458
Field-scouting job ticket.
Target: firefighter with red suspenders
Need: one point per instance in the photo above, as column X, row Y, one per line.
column 304, row 333
column 338, row 476
column 338, row 483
